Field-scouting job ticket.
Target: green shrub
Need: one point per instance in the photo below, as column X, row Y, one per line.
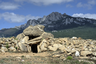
column 16, row 48
column 69, row 57
column 22, row 56
column 15, row 38
column 42, row 39
column 7, row 46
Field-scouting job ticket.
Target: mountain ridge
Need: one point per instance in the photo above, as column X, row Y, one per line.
column 54, row 21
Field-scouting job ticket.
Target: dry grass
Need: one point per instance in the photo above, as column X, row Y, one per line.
column 35, row 58
column 38, row 60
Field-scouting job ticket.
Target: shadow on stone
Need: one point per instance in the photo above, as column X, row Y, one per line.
column 32, row 37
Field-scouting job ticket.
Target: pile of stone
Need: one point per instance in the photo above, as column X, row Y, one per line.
column 75, row 47
column 31, row 40
column 8, row 44
column 35, row 39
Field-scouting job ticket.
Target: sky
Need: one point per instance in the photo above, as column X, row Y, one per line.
column 17, row 12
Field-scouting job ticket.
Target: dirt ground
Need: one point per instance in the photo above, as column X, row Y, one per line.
column 24, row 58
column 33, row 58
column 43, row 54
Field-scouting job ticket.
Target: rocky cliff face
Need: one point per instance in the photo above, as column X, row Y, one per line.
column 57, row 21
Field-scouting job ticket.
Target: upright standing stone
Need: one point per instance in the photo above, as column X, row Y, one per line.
column 23, row 47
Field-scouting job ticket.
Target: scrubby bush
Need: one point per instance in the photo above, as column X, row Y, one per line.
column 69, row 57
column 7, row 46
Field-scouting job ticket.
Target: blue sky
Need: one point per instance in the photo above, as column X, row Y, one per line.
column 17, row 12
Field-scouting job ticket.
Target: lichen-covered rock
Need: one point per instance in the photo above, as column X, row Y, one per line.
column 24, row 40
column 41, row 26
column 51, row 41
column 54, row 56
column 2, row 51
column 4, row 48
column 12, row 49
column 52, row 48
column 20, row 36
column 23, row 47
column 46, row 35
column 43, row 45
column 84, row 53
column 62, row 48
column 35, row 40
column 94, row 53
column 34, row 30
column 29, row 48
column 76, row 42
column 57, row 46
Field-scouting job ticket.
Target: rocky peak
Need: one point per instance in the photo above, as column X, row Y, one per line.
column 55, row 20
column 42, row 19
column 32, row 22
column 54, row 16
column 55, row 13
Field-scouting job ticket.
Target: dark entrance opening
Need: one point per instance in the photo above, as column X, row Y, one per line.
column 34, row 48
column 32, row 37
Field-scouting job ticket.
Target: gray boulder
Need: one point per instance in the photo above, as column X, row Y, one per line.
column 23, row 47
column 4, row 48
column 12, row 49
column 34, row 30
column 84, row 53
column 20, row 36
column 41, row 26
column 46, row 35
column 24, row 40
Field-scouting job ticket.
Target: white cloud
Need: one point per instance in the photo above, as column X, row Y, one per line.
column 68, row 5
column 84, row 5
column 79, row 4
column 92, row 2
column 12, row 17
column 91, row 16
column 8, row 6
column 44, row 2
column 88, row 5
column 32, row 17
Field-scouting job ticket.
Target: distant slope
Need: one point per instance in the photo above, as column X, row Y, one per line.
column 9, row 32
column 82, row 31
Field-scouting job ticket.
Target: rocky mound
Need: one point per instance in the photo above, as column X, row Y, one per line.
column 35, row 39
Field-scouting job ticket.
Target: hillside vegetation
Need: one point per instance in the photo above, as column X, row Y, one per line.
column 9, row 32
column 83, row 32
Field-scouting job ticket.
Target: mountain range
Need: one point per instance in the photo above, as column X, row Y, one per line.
column 54, row 21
